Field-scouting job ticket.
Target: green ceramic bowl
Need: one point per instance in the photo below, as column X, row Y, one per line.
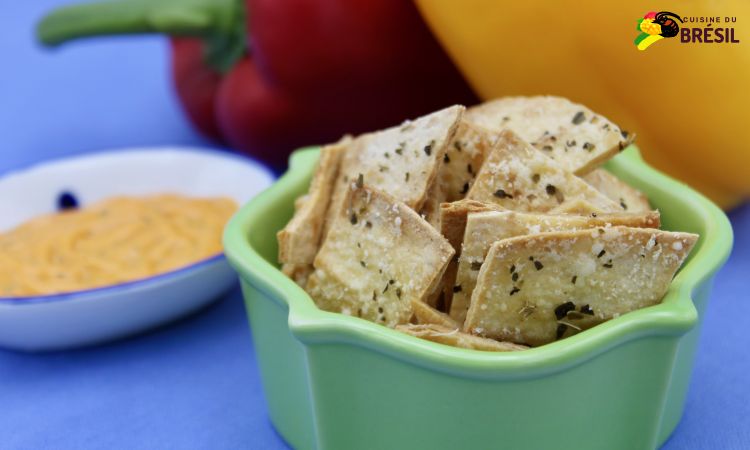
column 338, row 382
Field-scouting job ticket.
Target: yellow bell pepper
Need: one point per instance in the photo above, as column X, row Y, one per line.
column 688, row 103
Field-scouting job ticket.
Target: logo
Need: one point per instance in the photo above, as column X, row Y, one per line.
column 656, row 26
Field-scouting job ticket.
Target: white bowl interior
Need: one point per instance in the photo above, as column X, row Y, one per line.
column 30, row 192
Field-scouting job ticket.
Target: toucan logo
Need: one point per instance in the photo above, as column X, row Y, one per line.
column 656, row 26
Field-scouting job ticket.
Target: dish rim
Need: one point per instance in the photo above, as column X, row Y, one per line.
column 145, row 149
column 674, row 316
column 114, row 288
column 85, row 294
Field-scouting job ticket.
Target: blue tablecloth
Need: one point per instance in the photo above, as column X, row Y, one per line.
column 195, row 384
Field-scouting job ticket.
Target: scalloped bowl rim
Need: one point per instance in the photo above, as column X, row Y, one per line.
column 675, row 315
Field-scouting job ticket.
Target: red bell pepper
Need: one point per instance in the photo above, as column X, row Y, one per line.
column 268, row 76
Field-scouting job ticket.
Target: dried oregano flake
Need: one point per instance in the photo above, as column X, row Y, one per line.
column 562, row 309
column 500, row 193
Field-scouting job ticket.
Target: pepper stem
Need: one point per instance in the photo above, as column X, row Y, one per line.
column 219, row 22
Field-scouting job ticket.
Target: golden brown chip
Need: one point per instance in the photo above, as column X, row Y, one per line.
column 579, row 208
column 378, row 257
column 431, row 206
column 400, row 161
column 452, row 224
column 455, row 338
column 485, row 228
column 299, row 201
column 461, row 162
column 301, row 237
column 297, row 272
column 425, row 314
column 518, row 177
column 629, row 198
column 536, row 289
column 578, row 139
column 453, row 218
column 440, row 297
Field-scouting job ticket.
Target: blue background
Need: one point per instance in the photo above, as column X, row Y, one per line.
column 194, row 384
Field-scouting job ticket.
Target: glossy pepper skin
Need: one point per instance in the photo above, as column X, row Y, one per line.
column 688, row 103
column 268, row 76
column 196, row 85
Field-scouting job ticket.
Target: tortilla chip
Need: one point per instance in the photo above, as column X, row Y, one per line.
column 537, row 289
column 299, row 201
column 461, row 163
column 431, row 206
column 400, row 161
column 440, row 297
column 484, row 229
column 377, row 259
column 301, row 237
column 518, row 177
column 455, row 338
column 297, row 272
column 578, row 207
column 629, row 198
column 452, row 224
column 453, row 218
column 425, row 314
column 578, row 139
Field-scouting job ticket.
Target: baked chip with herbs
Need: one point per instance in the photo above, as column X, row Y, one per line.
column 461, row 163
column 300, row 238
column 536, row 289
column 629, row 198
column 456, row 338
column 484, row 229
column 426, row 314
column 518, row 177
column 452, row 223
column 578, row 139
column 577, row 207
column 401, row 161
column 378, row 258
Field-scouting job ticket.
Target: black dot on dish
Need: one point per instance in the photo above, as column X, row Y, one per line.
column 66, row 200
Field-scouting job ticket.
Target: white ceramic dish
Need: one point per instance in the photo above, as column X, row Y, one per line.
column 93, row 316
